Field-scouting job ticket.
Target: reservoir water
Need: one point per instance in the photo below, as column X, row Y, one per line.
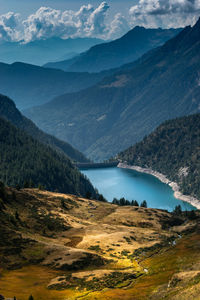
column 133, row 185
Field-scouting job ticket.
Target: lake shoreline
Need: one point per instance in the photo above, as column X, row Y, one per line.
column 175, row 187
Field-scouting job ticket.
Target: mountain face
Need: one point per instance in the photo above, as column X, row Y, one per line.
column 172, row 149
column 113, row 54
column 24, row 159
column 9, row 112
column 118, row 112
column 31, row 85
column 42, row 51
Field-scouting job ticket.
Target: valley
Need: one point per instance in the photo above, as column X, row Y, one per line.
column 100, row 150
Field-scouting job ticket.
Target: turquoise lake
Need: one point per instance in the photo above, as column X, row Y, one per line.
column 133, row 185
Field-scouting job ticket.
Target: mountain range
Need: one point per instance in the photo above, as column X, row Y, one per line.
column 40, row 52
column 31, row 85
column 128, row 105
column 116, row 53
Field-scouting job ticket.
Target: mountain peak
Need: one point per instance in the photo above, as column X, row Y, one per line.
column 196, row 27
column 189, row 36
column 197, row 23
column 138, row 28
column 193, row 35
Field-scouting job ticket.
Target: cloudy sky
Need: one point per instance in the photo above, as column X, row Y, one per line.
column 29, row 20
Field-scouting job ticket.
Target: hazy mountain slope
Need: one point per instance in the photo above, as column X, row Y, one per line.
column 31, row 85
column 172, row 149
column 116, row 53
column 23, row 159
column 63, row 64
column 42, row 51
column 9, row 112
column 123, row 108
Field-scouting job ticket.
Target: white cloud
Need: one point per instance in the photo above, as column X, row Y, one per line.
column 90, row 21
column 82, row 16
column 10, row 26
column 96, row 20
column 165, row 13
column 46, row 22
column 118, row 26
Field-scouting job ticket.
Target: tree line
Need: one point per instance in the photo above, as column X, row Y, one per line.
column 124, row 202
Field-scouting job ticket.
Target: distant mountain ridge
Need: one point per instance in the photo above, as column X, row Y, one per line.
column 123, row 108
column 116, row 53
column 40, row 52
column 9, row 112
column 172, row 149
column 30, row 85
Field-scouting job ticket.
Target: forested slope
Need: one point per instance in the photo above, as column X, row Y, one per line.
column 9, row 111
column 172, row 149
column 24, row 160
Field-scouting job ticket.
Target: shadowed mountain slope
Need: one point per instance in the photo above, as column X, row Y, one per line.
column 9, row 112
column 25, row 160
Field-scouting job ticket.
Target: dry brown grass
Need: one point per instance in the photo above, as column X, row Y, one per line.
column 97, row 240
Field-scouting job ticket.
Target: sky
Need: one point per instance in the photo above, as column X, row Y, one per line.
column 29, row 20
column 26, row 7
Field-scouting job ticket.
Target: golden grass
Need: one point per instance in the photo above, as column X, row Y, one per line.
column 30, row 280
column 111, row 232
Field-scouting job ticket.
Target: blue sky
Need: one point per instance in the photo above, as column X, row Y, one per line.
column 26, row 7
column 26, row 20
